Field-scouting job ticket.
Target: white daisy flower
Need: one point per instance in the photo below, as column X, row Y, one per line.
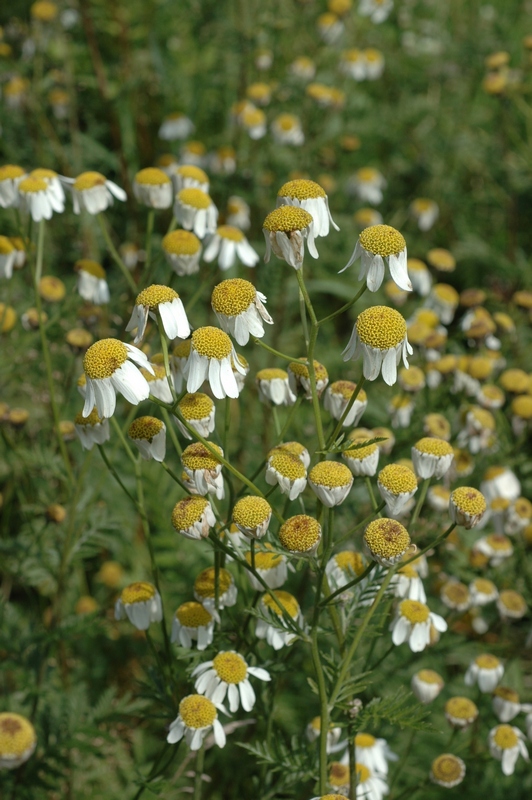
column 188, row 176
column 408, row 585
column 353, row 64
column 10, row 177
column 205, row 588
column 288, row 472
column 141, row 603
column 108, row 370
column 252, row 516
column 486, row 671
column 506, row 705
column 467, row 506
column 496, row 547
column 425, row 212
column 376, row 10
column 227, row 244
column 158, row 382
column 273, row 387
column 195, row 211
column 240, row 309
column 286, row 129
column 432, row 457
column 511, row 605
column 333, row 736
column 426, row 685
column 299, row 376
column 361, row 458
column 295, row 449
column 165, row 303
column 285, row 231
column 92, row 430
column 238, row 213
column 8, row 257
column 300, row 535
column 370, row 785
column 223, row 160
column 194, row 152
column 199, row 411
column 182, row 250
column 380, row 336
column 482, row 592
column 17, row 740
column 176, row 126
column 193, row 517
column 204, row 469
column 447, row 770
column 419, row 275
column 377, row 246
column 444, row 300
column 93, row 192
column 455, row 595
column 331, row 482
column 460, row 712
column 197, row 717
column 39, row 198
column 400, row 408
column 148, row 434
column 330, row 27
column 92, row 284
column 343, row 568
column 303, row 68
column 500, row 482
column 374, row 63
column 271, row 566
column 506, row 745
column 337, row 398
column 212, row 357
column 193, row 623
column 312, row 198
column 153, row 188
column 227, row 674
column 254, row 121
column 397, row 484
column 372, row 753
column 412, row 624
column 368, row 184
column 386, row 541
column 274, row 636
column 178, row 362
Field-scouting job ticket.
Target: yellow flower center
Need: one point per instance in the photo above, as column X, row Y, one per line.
column 468, row 500
column 287, row 465
column 382, row 240
column 6, row 246
column 271, row 374
column 197, row 148
column 181, row 243
column 300, row 533
column 429, row 676
column 294, row 448
column 368, row 174
column 211, row 342
column 182, row 350
column 339, row 774
column 413, row 378
column 434, row 447
column 437, row 426
column 461, row 708
column 32, row 185
column 17, row 734
column 523, row 298
column 92, row 267
column 88, row 180
column 196, row 198
column 265, row 560
column 522, row 407
column 250, row 512
column 288, row 601
column 487, row 661
column 151, row 176
column 287, row 219
column 523, row 508
column 386, row 538
column 416, row 265
column 139, row 592
column 145, row 428
column 398, row 479
column 158, row 374
column 92, row 419
column 190, row 171
column 506, row 694
column 447, row 768
column 381, row 327
column 505, row 737
column 79, row 337
column 253, row 117
column 197, row 711
column 364, row 740
column 301, row 370
column 103, row 358
column 360, row 453
column 499, row 504
column 512, row 601
column 286, row 122
column 414, row 611
column 484, row 418
column 480, row 368
column 330, row 474
column 10, row 172
column 233, row 296
column 51, row 289
column 230, row 667
column 346, row 389
column 205, row 582
column 193, row 615
column 352, row 56
column 301, row 190
column 350, row 562
column 401, row 401
column 45, row 174
column 196, row 406
column 446, row 294
column 230, row 232
column 44, row 11
column 441, row 259
column 456, row 593
column 155, row 295
column 515, row 380
column 196, row 456
column 187, row 512
column 497, row 541
column 483, row 586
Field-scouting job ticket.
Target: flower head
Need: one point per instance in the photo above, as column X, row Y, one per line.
column 205, row 588
column 10, row 177
column 41, row 193
column 227, row 244
column 337, row 397
column 193, row 622
column 193, row 517
column 300, row 535
column 331, row 481
column 285, row 231
column 466, row 506
column 92, row 429
column 17, row 740
column 273, row 387
column 195, row 211
column 387, row 541
column 432, row 457
column 141, row 603
column 486, row 671
column 274, row 634
column 94, row 193
column 92, row 284
column 240, row 309
column 212, row 355
column 153, row 188
column 377, row 246
column 197, row 717
column 460, row 712
column 182, row 250
column 271, row 567
column 312, row 198
column 252, row 516
column 506, row 745
column 413, row 622
column 397, row 484
column 159, row 302
column 199, row 411
column 447, row 770
column 380, row 336
column 288, row 472
column 204, row 468
column 426, row 685
column 228, row 674
column 108, row 369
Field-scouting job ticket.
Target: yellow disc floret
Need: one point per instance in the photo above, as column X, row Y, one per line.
column 193, row 615
column 398, row 479
column 230, row 232
column 414, row 611
column 182, row 350
column 17, row 735
column 88, row 180
column 250, row 512
column 441, row 259
column 103, row 358
column 287, row 600
column 434, row 447
column 468, row 500
column 512, row 602
column 487, row 661
column 92, row 419
column 505, row 737
column 330, row 474
column 6, row 246
column 197, row 711
column 300, row 369
column 230, row 667
column 300, row 533
column 196, row 456
column 139, row 592
column 287, row 465
column 151, row 176
column 461, row 708
column 233, row 296
column 154, row 295
column 145, row 428
column 430, row 676
column 287, row 219
column 196, row 198
column 211, row 342
column 271, row 374
column 364, row 740
column 350, row 562
column 381, row 327
column 196, row 406
column 92, row 267
column 386, row 538
column 447, row 769
column 265, row 560
column 506, row 694
column 181, row 243
column 190, row 171
column 522, row 406
column 32, row 185
column 204, row 585
column 188, row 511
column 301, row 190
column 346, row 389
column 10, row 172
column 382, row 240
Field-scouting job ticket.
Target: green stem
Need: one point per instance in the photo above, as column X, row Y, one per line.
column 123, row 439
column 276, row 421
column 200, row 759
column 115, row 254
column 303, row 314
column 227, row 423
column 290, row 418
column 431, row 546
column 174, row 476
column 346, row 307
column 310, row 358
column 371, row 493
column 272, row 350
column 358, row 636
column 147, row 248
column 420, row 501
column 349, row 406
column 115, row 474
column 324, row 710
column 170, row 427
column 403, row 759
